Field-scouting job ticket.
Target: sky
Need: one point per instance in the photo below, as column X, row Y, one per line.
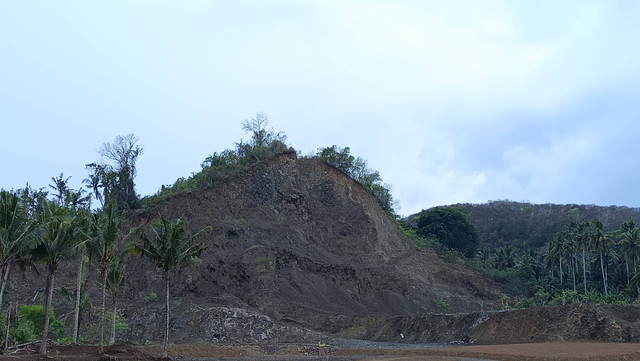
column 451, row 101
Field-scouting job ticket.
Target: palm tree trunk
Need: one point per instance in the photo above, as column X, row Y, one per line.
column 112, row 340
column 573, row 271
column 166, row 321
column 584, row 271
column 561, row 272
column 5, row 277
column 76, row 318
column 5, row 343
column 47, row 313
column 635, row 272
column 102, row 307
column 626, row 263
column 604, row 277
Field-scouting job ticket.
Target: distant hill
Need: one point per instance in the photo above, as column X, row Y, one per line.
column 503, row 223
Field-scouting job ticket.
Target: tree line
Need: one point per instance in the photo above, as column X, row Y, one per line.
column 582, row 262
column 47, row 229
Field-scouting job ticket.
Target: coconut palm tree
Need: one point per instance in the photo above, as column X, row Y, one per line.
column 84, row 219
column 630, row 247
column 166, row 245
column 115, row 284
column 601, row 244
column 105, row 237
column 60, row 237
column 17, row 234
column 555, row 253
column 581, row 235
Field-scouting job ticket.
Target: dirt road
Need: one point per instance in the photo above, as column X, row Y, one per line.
column 563, row 351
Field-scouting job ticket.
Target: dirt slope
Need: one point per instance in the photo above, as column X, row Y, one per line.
column 296, row 245
column 613, row 323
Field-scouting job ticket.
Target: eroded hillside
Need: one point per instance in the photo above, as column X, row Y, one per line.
column 295, row 245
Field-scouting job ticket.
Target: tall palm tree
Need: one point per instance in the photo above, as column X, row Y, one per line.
column 115, row 284
column 104, row 240
column 630, row 247
column 60, row 236
column 84, row 219
column 555, row 253
column 550, row 258
column 17, row 234
column 600, row 244
column 568, row 247
column 166, row 245
column 581, row 235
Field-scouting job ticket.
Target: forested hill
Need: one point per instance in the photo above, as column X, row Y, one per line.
column 503, row 223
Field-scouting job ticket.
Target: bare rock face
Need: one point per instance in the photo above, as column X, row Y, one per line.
column 295, row 242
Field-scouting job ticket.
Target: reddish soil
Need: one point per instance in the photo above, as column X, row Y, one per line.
column 564, row 351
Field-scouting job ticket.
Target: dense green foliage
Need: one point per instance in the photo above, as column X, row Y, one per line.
column 29, row 324
column 264, row 143
column 582, row 262
column 450, row 227
column 522, row 224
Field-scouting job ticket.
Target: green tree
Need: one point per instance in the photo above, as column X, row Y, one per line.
column 103, row 244
column 18, row 233
column 504, row 257
column 581, row 235
column 60, row 237
column 451, row 227
column 78, row 204
column 115, row 284
column 115, row 178
column 601, row 244
column 166, row 244
column 357, row 168
column 61, row 186
column 630, row 247
column 264, row 142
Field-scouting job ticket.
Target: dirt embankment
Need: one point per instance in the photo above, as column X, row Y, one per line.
column 540, row 324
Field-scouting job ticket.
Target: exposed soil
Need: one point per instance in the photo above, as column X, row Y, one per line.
column 613, row 323
column 568, row 351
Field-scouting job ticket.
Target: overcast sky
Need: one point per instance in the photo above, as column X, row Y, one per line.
column 452, row 101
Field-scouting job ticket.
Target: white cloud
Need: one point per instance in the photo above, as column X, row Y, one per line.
column 450, row 101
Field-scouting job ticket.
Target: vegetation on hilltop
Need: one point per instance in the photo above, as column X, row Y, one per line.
column 114, row 177
column 263, row 144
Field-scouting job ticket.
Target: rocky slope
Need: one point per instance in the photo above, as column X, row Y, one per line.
column 295, row 246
